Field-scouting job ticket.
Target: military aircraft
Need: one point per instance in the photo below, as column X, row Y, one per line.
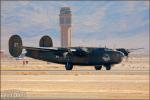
column 86, row 56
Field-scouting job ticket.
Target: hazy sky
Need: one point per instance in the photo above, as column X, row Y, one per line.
column 94, row 23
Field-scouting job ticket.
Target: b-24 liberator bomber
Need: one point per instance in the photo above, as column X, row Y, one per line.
column 69, row 56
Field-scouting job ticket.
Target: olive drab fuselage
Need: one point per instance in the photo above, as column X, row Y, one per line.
column 82, row 56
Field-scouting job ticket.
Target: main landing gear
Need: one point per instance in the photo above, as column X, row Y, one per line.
column 108, row 67
column 69, row 66
column 98, row 67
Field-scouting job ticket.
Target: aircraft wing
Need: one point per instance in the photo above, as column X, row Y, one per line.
column 56, row 50
column 41, row 48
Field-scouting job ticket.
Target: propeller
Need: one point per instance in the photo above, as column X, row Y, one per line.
column 127, row 51
column 132, row 50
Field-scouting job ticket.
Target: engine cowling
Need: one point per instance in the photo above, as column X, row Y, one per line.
column 81, row 52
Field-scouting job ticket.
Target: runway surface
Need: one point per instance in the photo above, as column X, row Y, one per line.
column 73, row 72
column 85, row 84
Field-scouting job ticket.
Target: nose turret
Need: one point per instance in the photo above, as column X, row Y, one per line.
column 119, row 56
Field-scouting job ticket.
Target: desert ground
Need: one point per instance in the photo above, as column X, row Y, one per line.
column 42, row 80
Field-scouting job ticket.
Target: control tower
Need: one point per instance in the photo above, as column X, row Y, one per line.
column 65, row 26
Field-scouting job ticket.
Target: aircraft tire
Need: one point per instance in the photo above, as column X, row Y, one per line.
column 98, row 67
column 69, row 66
column 108, row 67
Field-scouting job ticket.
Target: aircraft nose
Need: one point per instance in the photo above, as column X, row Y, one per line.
column 120, row 56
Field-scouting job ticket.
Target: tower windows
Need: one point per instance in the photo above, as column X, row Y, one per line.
column 65, row 20
column 62, row 20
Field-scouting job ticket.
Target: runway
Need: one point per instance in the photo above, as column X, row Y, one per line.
column 85, row 84
column 74, row 72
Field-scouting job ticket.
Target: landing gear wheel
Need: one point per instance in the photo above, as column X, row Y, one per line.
column 98, row 67
column 108, row 67
column 68, row 66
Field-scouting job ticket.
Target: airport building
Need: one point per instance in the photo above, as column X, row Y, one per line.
column 65, row 26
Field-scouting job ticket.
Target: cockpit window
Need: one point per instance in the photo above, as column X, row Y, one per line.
column 106, row 49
